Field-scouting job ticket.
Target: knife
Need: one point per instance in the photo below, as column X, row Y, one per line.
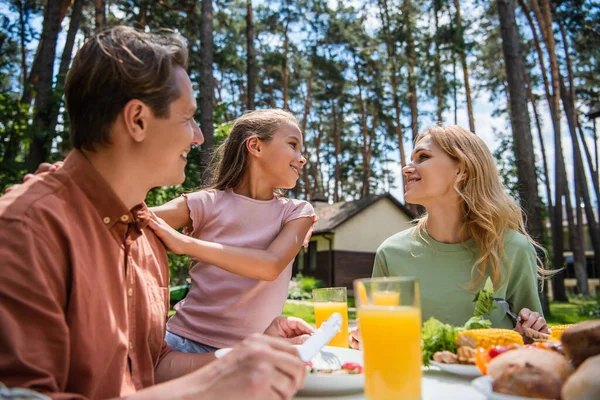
column 324, row 334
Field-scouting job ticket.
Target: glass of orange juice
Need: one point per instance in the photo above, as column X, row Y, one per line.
column 327, row 301
column 389, row 318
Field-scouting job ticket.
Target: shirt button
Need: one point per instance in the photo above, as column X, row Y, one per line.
column 106, row 220
column 130, row 292
column 130, row 345
column 124, row 217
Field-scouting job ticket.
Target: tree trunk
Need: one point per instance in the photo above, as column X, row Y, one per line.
column 523, row 143
column 385, row 19
column 39, row 148
column 576, row 242
column 206, row 81
column 463, row 60
column 554, row 108
column 337, row 120
column 307, row 105
column 363, row 131
column 407, row 12
column 143, row 16
column 65, row 61
column 34, row 71
column 317, row 171
column 251, row 62
column 284, row 67
column 438, row 65
column 581, row 181
column 100, row 14
column 23, row 44
column 538, row 125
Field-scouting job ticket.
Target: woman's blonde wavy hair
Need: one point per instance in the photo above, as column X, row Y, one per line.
column 488, row 211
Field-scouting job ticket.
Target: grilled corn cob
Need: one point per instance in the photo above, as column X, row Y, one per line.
column 488, row 337
column 557, row 331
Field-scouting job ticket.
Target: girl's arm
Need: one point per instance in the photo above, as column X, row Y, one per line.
column 175, row 213
column 265, row 265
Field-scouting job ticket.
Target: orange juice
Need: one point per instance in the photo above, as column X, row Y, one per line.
column 392, row 352
column 381, row 298
column 323, row 310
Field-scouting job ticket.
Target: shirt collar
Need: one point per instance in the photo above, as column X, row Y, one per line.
column 110, row 208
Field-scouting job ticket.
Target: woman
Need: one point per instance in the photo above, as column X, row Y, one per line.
column 472, row 230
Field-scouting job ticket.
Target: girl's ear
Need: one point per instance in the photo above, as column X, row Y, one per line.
column 253, row 145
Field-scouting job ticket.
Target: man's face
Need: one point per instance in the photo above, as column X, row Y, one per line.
column 169, row 140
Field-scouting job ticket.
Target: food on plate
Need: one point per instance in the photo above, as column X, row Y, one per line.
column 557, row 331
column 445, row 357
column 549, row 361
column 583, row 384
column 348, row 368
column 528, row 381
column 581, row 341
column 483, row 356
column 467, row 342
column 466, row 355
column 488, row 337
column 438, row 337
column 544, row 369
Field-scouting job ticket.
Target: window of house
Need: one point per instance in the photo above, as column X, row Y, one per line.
column 312, row 256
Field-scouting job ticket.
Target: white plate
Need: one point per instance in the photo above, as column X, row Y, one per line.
column 458, row 369
column 484, row 385
column 325, row 384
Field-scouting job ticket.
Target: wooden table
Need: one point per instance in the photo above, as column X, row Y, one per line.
column 436, row 385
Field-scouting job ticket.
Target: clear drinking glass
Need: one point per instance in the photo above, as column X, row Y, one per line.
column 389, row 318
column 327, row 301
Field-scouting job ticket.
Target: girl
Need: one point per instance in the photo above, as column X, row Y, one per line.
column 472, row 230
column 240, row 284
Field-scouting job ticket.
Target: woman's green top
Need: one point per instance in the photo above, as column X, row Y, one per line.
column 444, row 273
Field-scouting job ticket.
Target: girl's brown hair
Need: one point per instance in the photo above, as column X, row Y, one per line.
column 229, row 162
column 488, row 211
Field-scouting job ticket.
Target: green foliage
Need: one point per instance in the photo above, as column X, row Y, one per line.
column 437, row 336
column 301, row 287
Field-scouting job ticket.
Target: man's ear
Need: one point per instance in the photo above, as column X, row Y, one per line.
column 135, row 117
column 254, row 146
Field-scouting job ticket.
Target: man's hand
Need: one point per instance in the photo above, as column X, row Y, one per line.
column 173, row 240
column 43, row 167
column 261, row 367
column 295, row 330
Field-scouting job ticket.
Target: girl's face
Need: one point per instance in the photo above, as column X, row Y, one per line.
column 430, row 175
column 282, row 160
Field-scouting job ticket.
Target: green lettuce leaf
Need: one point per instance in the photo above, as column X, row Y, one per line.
column 437, row 336
column 484, row 300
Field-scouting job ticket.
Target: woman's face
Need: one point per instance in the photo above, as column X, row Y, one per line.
column 430, row 175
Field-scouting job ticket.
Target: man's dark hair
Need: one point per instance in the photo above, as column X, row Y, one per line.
column 114, row 67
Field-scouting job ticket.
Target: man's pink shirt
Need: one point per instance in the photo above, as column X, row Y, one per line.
column 223, row 308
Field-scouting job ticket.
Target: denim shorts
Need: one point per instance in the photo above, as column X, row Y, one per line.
column 185, row 345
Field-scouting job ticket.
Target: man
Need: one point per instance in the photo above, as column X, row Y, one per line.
column 84, row 285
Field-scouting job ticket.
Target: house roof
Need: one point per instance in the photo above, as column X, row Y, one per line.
column 333, row 215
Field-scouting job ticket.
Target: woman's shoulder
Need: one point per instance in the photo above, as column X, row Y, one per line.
column 516, row 241
column 398, row 240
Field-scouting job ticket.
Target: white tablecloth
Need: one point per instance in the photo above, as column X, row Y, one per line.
column 436, row 385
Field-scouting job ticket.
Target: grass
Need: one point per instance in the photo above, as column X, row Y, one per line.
column 568, row 313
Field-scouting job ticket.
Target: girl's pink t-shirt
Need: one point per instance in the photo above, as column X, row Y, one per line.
column 223, row 308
